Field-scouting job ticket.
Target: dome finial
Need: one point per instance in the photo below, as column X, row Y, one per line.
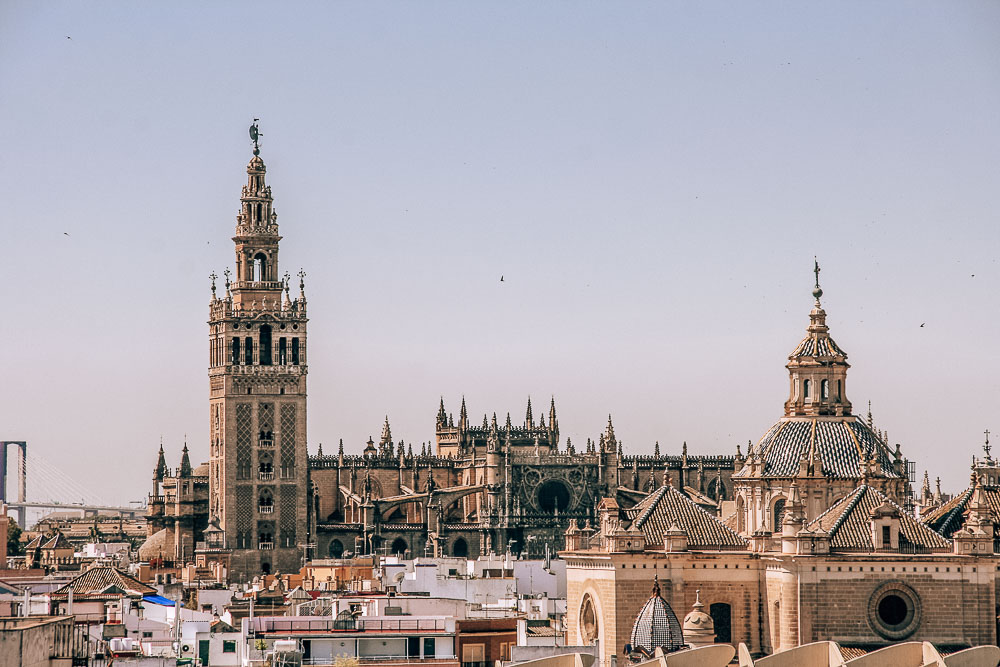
column 817, row 290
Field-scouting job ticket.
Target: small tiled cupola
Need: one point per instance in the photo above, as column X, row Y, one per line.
column 817, row 369
column 885, row 526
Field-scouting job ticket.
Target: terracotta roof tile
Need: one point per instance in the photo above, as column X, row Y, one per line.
column 842, row 444
column 849, row 524
column 667, row 506
column 97, row 579
column 950, row 516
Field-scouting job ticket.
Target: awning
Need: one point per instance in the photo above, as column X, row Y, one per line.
column 159, row 599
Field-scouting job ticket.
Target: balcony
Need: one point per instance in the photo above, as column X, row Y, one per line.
column 267, row 443
column 266, row 476
column 265, row 509
column 265, row 546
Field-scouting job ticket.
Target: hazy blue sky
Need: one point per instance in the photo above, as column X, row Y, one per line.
column 652, row 179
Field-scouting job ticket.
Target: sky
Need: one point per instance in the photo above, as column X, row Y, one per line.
column 652, row 180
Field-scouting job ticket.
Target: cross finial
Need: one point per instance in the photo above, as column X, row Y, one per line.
column 986, row 446
column 817, row 291
column 302, row 282
column 212, row 277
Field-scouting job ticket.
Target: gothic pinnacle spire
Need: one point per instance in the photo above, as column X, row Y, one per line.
column 529, row 419
column 185, row 469
column 161, row 465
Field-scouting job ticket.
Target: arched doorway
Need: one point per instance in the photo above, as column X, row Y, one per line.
column 399, row 547
column 336, row 549
column 722, row 617
column 460, row 549
column 553, row 495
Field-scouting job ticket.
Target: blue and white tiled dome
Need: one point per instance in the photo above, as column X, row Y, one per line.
column 656, row 626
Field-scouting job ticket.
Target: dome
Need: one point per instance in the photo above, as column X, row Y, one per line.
column 655, row 626
column 843, row 445
column 157, row 545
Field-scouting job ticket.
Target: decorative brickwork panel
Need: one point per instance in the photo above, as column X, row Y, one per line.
column 287, row 440
column 244, row 439
column 265, row 417
column 288, row 514
column 244, row 516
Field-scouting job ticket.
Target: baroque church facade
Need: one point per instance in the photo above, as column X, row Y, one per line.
column 479, row 489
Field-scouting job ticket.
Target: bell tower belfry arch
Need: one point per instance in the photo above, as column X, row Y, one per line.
column 258, row 471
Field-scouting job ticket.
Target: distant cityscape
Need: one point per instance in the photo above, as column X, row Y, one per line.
column 502, row 543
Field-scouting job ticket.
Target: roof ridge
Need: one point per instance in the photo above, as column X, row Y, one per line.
column 957, row 510
column 851, row 504
column 644, row 516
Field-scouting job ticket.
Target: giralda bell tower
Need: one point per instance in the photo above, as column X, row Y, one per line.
column 257, row 395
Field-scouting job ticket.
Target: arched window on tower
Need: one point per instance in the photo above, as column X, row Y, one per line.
column 837, row 395
column 807, row 389
column 282, row 351
column 236, row 351
column 259, row 267
column 248, row 351
column 295, row 351
column 741, row 515
column 265, row 345
column 777, row 514
column 824, row 390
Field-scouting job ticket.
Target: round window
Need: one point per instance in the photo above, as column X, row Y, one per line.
column 894, row 610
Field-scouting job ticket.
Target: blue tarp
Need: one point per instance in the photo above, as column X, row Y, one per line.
column 158, row 599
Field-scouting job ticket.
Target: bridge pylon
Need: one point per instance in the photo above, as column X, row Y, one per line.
column 22, row 475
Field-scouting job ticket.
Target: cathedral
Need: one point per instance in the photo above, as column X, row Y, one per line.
column 491, row 487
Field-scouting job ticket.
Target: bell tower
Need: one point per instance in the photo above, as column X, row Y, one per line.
column 258, row 476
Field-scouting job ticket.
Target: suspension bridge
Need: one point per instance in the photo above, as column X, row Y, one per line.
column 49, row 484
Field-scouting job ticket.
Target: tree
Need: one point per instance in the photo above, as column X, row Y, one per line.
column 14, row 546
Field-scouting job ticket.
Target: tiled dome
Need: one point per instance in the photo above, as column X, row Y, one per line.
column 656, row 625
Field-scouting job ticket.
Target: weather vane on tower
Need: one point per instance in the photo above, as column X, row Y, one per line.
column 817, row 291
column 255, row 135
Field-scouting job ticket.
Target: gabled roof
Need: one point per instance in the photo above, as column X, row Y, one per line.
column 950, row 516
column 667, row 507
column 57, row 541
column 849, row 524
column 35, row 543
column 104, row 581
column 843, row 444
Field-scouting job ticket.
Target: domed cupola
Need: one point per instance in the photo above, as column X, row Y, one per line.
column 656, row 626
column 817, row 369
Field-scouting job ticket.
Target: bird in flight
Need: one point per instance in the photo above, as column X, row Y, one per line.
column 501, row 278
column 922, row 325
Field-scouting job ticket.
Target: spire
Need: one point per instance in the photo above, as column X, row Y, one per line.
column 463, row 416
column 655, row 593
column 529, row 420
column 160, row 471
column 552, row 413
column 818, row 368
column 442, row 416
column 508, row 424
column 609, row 435
column 185, row 469
column 258, row 280
column 340, row 452
column 386, row 438
column 656, row 448
column 320, row 450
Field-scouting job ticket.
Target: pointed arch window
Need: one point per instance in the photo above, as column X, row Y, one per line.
column 778, row 513
column 248, row 351
column 236, row 351
column 282, row 351
column 295, row 351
